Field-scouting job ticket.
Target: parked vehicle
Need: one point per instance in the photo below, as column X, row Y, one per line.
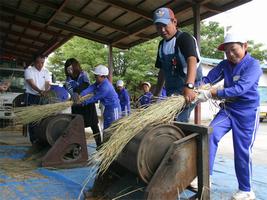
column 263, row 105
column 14, row 95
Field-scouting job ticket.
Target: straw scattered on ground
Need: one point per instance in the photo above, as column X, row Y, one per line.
column 123, row 130
column 29, row 114
column 19, row 169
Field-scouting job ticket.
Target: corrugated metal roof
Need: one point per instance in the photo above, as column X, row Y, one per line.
column 39, row 27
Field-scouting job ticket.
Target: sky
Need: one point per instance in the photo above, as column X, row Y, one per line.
column 249, row 18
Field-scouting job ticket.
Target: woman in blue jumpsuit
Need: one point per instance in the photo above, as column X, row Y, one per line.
column 124, row 98
column 105, row 93
column 240, row 112
column 76, row 81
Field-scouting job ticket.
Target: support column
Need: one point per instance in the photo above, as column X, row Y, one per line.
column 196, row 11
column 110, row 62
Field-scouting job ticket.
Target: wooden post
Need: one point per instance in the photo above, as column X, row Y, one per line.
column 196, row 11
column 110, row 62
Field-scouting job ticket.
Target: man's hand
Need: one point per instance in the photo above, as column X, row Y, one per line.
column 75, row 98
column 44, row 93
column 3, row 88
column 204, row 95
column 189, row 95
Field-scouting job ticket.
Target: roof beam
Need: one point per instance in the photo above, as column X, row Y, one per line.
column 16, row 42
column 83, row 16
column 15, row 12
column 127, row 7
column 81, row 33
column 14, row 52
column 212, row 8
column 7, row 46
column 29, row 37
column 54, row 45
column 95, row 20
column 30, row 26
column 56, row 12
column 139, row 29
column 48, row 4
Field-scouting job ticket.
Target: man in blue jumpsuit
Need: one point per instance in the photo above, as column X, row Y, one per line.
column 240, row 112
column 124, row 98
column 105, row 93
column 177, row 60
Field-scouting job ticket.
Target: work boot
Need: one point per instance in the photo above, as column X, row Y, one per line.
column 243, row 195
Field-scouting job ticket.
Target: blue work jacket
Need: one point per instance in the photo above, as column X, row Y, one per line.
column 240, row 82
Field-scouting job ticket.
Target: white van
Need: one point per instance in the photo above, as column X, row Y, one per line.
column 13, row 96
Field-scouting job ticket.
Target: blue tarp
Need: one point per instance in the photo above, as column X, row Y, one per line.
column 42, row 183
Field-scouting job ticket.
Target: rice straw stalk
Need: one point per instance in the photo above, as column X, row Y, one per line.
column 123, row 130
column 34, row 113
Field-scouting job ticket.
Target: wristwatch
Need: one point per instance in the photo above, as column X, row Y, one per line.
column 189, row 85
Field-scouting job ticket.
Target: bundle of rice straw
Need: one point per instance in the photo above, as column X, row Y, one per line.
column 34, row 113
column 123, row 130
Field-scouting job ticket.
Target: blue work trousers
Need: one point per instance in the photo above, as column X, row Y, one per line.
column 244, row 124
column 110, row 115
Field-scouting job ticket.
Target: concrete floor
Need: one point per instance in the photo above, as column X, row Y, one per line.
column 259, row 150
column 224, row 182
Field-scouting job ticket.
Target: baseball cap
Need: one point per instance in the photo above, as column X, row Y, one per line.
column 147, row 83
column 230, row 38
column 101, row 70
column 119, row 83
column 163, row 15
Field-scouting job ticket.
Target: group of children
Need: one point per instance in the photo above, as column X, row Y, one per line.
column 114, row 101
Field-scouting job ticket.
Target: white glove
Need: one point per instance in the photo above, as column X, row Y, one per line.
column 203, row 95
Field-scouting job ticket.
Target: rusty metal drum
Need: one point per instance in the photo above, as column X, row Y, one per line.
column 51, row 128
column 143, row 154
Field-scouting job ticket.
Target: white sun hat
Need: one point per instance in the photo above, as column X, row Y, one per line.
column 119, row 83
column 101, row 70
column 147, row 83
column 230, row 38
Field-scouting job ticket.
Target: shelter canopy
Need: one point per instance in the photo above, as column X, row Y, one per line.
column 29, row 27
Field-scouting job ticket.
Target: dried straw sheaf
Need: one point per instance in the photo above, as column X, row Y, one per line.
column 123, row 130
column 29, row 114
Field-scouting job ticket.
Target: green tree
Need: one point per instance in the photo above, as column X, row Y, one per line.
column 87, row 52
column 257, row 50
column 136, row 65
column 211, row 34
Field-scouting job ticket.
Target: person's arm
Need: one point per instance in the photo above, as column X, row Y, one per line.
column 33, row 86
column 188, row 93
column 126, row 104
column 83, row 83
column 48, row 80
column 161, row 77
column 47, row 86
column 160, row 83
column 188, row 49
column 3, row 88
column 100, row 94
column 249, row 77
column 215, row 74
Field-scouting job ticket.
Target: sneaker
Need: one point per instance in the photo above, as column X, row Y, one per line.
column 243, row 195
